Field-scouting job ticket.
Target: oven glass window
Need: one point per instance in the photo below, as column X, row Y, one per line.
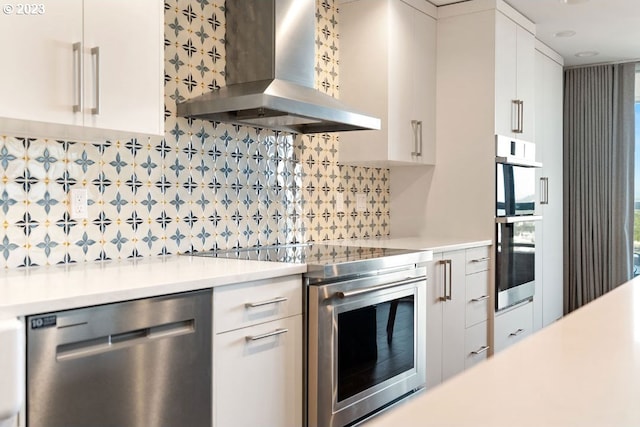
column 375, row 343
column 515, row 262
column 515, row 190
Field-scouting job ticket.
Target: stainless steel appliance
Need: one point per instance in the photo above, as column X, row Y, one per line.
column 270, row 73
column 366, row 343
column 142, row 363
column 366, row 326
column 515, row 221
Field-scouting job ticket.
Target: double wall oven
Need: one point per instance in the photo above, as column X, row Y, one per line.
column 515, row 221
column 365, row 327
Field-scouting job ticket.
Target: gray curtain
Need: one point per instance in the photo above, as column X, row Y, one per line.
column 598, row 180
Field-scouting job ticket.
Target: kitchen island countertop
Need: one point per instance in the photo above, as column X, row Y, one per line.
column 581, row 371
column 60, row 287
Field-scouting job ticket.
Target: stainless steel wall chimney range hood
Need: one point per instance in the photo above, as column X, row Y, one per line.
column 270, row 65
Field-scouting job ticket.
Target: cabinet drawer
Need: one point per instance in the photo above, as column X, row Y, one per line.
column 259, row 382
column 476, row 344
column 477, row 294
column 245, row 304
column 477, row 259
column 513, row 325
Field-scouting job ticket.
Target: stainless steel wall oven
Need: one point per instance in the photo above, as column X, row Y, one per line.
column 366, row 344
column 515, row 221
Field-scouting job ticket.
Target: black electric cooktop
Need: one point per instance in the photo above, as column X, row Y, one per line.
column 324, row 260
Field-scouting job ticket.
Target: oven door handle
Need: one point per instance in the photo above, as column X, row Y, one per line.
column 347, row 294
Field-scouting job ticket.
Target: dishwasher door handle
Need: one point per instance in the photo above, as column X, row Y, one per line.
column 118, row 341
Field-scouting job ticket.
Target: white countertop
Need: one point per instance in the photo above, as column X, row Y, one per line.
column 45, row 289
column 434, row 244
column 582, row 371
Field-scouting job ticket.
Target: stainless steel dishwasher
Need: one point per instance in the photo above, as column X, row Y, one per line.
column 142, row 363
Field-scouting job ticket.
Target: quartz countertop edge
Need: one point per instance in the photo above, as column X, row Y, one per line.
column 581, row 371
column 46, row 289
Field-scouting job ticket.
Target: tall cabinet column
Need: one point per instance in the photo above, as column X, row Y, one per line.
column 548, row 306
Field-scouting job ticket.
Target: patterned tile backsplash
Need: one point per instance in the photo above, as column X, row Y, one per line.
column 205, row 185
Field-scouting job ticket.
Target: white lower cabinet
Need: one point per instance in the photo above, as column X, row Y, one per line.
column 512, row 325
column 257, row 358
column 457, row 311
column 476, row 344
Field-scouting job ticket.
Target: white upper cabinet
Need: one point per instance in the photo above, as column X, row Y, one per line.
column 387, row 69
column 123, row 69
column 38, row 76
column 83, row 69
column 515, row 109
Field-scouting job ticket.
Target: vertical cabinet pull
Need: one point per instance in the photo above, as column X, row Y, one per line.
column 544, row 190
column 77, row 77
column 446, row 279
column 519, row 116
column 416, row 125
column 95, row 53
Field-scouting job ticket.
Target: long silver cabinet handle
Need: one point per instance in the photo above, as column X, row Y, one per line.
column 446, row 278
column 77, row 70
column 267, row 335
column 482, row 298
column 95, row 52
column 481, row 350
column 516, row 333
column 347, row 294
column 519, row 116
column 480, row 259
column 415, row 124
column 544, row 190
column 419, row 138
column 261, row 303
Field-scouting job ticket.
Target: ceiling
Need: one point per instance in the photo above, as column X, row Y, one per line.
column 609, row 27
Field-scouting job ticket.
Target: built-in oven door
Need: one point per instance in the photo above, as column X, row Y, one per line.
column 366, row 345
column 515, row 260
column 515, row 190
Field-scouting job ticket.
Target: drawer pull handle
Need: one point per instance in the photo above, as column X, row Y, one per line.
column 516, row 333
column 482, row 298
column 480, row 259
column 267, row 335
column 261, row 303
column 481, row 350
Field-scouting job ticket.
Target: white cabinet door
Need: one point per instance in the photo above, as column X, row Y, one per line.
column 123, row 75
column 38, row 77
column 525, row 78
column 476, row 344
column 512, row 326
column 454, row 305
column 435, row 293
column 514, row 53
column 387, row 69
column 58, row 63
column 258, row 381
column 456, row 326
column 548, row 301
